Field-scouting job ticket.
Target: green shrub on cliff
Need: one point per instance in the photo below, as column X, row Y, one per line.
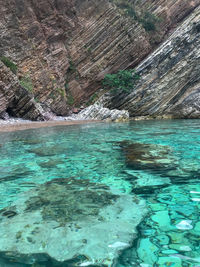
column 8, row 63
column 70, row 99
column 26, row 82
column 149, row 21
column 122, row 81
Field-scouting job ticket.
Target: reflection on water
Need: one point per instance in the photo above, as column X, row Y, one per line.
column 157, row 160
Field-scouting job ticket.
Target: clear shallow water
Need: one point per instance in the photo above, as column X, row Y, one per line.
column 170, row 234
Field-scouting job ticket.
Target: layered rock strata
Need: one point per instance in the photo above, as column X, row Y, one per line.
column 16, row 100
column 170, row 77
column 98, row 112
column 64, row 48
column 109, row 40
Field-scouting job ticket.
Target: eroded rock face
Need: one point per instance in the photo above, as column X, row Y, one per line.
column 66, row 47
column 109, row 41
column 33, row 35
column 15, row 99
column 170, row 77
column 69, row 221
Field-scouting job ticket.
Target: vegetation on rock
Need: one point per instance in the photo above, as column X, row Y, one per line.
column 8, row 63
column 148, row 20
column 61, row 91
column 72, row 67
column 26, row 82
column 70, row 99
column 124, row 81
column 92, row 99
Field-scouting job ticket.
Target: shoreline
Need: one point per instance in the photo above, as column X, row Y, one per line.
column 20, row 126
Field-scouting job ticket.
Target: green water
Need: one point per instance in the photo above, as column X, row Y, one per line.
column 170, row 233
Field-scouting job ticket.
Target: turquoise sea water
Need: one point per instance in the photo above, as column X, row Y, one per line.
column 170, row 233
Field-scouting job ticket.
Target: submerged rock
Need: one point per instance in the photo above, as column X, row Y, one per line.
column 14, row 173
column 184, row 225
column 52, row 163
column 163, row 220
column 147, row 156
column 45, row 151
column 67, row 219
column 169, row 261
column 146, row 190
column 143, row 251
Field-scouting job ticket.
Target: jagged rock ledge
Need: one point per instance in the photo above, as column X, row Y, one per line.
column 97, row 111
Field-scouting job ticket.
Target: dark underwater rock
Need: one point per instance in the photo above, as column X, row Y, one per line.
column 147, row 190
column 52, row 163
column 60, row 200
column 44, row 151
column 140, row 156
column 15, row 173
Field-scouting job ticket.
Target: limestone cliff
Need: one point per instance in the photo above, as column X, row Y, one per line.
column 63, row 48
column 170, row 77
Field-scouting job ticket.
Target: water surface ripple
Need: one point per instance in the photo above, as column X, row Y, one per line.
column 165, row 173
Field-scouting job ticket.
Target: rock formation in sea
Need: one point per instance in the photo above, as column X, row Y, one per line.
column 59, row 51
